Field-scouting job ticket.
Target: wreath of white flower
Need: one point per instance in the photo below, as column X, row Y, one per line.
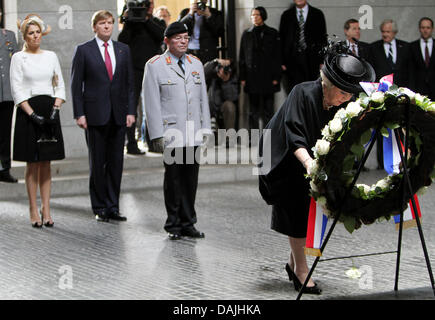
column 333, row 134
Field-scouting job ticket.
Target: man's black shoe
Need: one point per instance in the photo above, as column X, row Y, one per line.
column 102, row 217
column 115, row 215
column 193, row 233
column 174, row 236
column 5, row 176
column 135, row 150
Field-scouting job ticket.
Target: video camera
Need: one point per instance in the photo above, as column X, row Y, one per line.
column 201, row 5
column 137, row 10
column 227, row 69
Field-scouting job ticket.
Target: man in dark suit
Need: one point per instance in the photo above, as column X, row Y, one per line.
column 423, row 61
column 205, row 25
column 352, row 32
column 303, row 35
column 102, row 86
column 389, row 55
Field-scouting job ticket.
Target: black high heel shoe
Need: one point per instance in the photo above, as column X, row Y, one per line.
column 290, row 272
column 48, row 223
column 308, row 290
column 37, row 225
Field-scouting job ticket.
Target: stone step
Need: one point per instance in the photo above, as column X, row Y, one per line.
column 71, row 176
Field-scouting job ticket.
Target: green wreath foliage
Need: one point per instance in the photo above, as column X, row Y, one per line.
column 343, row 141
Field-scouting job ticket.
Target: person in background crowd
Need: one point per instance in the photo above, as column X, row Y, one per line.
column 38, row 136
column 163, row 13
column 423, row 61
column 205, row 25
column 302, row 31
column 260, row 67
column 223, row 92
column 175, row 93
column 144, row 37
column 352, row 32
column 294, row 130
column 8, row 46
column 389, row 55
column 104, row 103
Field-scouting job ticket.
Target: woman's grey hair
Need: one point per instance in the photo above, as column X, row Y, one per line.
column 393, row 24
column 326, row 83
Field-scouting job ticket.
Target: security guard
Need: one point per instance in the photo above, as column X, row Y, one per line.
column 178, row 116
column 8, row 46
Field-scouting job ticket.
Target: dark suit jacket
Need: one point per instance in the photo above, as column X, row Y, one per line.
column 378, row 60
column 211, row 29
column 364, row 50
column 315, row 37
column 93, row 94
column 422, row 78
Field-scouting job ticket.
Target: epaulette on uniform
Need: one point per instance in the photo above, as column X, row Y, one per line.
column 155, row 58
column 194, row 57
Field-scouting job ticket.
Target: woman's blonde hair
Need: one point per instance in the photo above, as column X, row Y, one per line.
column 32, row 20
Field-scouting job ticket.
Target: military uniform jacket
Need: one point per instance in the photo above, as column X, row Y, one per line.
column 176, row 104
column 8, row 46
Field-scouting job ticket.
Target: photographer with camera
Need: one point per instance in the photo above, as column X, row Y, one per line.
column 205, row 25
column 223, row 92
column 143, row 33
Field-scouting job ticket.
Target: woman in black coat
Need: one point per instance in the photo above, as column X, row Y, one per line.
column 260, row 67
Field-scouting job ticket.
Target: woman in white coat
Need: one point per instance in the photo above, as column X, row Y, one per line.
column 38, row 90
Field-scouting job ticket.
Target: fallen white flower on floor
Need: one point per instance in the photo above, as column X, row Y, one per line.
column 354, row 273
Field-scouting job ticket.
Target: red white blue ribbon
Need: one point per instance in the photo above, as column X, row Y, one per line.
column 317, row 222
column 392, row 158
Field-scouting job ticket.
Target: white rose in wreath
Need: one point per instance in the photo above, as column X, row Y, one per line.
column 353, row 109
column 383, row 184
column 313, row 186
column 378, row 97
column 313, row 168
column 431, row 107
column 419, row 99
column 335, row 125
column 409, row 93
column 341, row 114
column 322, row 147
column 365, row 187
column 321, row 201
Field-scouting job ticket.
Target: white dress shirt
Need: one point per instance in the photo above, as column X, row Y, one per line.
column 355, row 46
column 110, row 49
column 32, row 75
column 423, row 46
column 304, row 12
column 394, row 48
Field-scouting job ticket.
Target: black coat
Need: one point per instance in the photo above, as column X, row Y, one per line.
column 315, row 37
column 378, row 60
column 422, row 78
column 297, row 124
column 260, row 60
column 144, row 39
column 211, row 29
column 364, row 50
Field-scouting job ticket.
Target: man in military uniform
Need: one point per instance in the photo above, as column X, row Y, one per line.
column 8, row 46
column 178, row 116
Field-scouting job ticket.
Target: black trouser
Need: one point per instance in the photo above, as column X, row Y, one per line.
column 260, row 106
column 106, row 159
column 6, row 112
column 179, row 188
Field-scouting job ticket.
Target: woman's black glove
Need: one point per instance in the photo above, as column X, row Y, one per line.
column 54, row 117
column 38, row 120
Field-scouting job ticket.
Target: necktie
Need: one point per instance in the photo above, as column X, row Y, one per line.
column 180, row 64
column 302, row 43
column 426, row 55
column 108, row 61
column 353, row 49
column 390, row 54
